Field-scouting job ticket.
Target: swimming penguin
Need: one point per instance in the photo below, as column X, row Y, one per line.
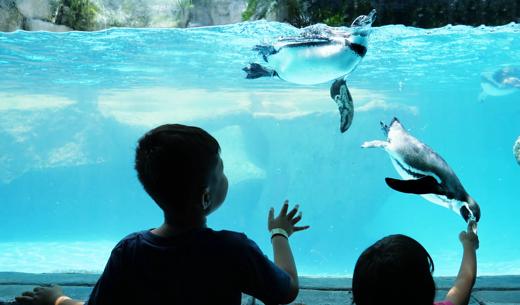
column 426, row 172
column 516, row 150
column 502, row 82
column 320, row 54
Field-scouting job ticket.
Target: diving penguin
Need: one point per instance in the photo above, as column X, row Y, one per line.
column 320, row 54
column 426, row 172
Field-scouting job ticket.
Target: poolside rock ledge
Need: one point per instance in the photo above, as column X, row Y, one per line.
column 10, row 18
column 503, row 290
column 66, row 15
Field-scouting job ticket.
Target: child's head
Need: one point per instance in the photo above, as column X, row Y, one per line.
column 180, row 168
column 396, row 269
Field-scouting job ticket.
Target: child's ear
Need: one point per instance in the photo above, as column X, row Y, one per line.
column 206, row 199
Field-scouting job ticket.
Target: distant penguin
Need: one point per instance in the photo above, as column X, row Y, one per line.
column 426, row 172
column 516, row 150
column 501, row 82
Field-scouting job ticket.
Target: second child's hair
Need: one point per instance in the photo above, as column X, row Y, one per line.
column 395, row 270
column 174, row 164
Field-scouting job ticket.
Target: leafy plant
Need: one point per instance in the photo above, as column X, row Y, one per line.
column 185, row 4
column 184, row 13
column 250, row 10
column 334, row 20
column 77, row 14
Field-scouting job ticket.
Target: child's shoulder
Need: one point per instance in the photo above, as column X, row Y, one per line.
column 236, row 240
column 231, row 237
column 221, row 238
column 131, row 238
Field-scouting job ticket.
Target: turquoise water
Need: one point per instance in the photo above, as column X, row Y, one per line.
column 72, row 106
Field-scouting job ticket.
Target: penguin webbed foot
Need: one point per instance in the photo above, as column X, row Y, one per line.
column 255, row 70
column 341, row 96
column 265, row 50
column 421, row 186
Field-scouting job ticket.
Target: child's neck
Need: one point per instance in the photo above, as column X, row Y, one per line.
column 171, row 228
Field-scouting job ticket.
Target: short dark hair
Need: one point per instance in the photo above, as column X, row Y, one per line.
column 174, row 163
column 396, row 269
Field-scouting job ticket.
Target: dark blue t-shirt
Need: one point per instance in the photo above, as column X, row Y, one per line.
column 201, row 267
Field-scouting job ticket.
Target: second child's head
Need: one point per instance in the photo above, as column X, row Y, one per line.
column 180, row 168
column 395, row 270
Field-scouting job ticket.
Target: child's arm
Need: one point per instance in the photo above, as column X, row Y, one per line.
column 283, row 257
column 52, row 295
column 460, row 292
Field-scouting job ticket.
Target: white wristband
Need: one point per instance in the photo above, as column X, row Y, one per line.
column 278, row 231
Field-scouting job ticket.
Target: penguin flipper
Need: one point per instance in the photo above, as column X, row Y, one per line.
column 375, row 143
column 424, row 185
column 255, row 70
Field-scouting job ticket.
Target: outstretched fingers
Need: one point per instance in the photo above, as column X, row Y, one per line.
column 285, row 207
column 271, row 214
column 24, row 300
column 27, row 297
column 296, row 229
column 296, row 219
column 293, row 212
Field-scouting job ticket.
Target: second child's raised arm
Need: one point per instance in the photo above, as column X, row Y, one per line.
column 460, row 293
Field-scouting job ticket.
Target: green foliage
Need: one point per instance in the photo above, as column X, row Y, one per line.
column 296, row 13
column 250, row 10
column 185, row 4
column 184, row 13
column 338, row 12
column 334, row 20
column 77, row 14
column 136, row 12
column 418, row 13
column 305, row 12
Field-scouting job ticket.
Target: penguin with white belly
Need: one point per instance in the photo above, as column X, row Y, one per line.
column 320, row 54
column 425, row 172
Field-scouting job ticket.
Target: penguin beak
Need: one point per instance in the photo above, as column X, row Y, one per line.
column 476, row 211
column 471, row 209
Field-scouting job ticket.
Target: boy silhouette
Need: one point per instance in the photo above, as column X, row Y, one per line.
column 183, row 261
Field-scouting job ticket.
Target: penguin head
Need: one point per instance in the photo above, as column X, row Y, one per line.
column 469, row 209
column 361, row 28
